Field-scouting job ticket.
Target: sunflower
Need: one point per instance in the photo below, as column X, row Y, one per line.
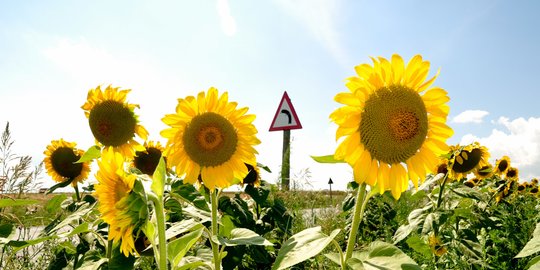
column 393, row 123
column 484, row 172
column 534, row 190
column 534, row 181
column 60, row 158
column 436, row 245
column 512, row 173
column 470, row 183
column 502, row 165
column 253, row 177
column 113, row 194
column 147, row 161
column 113, row 121
column 469, row 159
column 522, row 187
column 442, row 166
column 212, row 138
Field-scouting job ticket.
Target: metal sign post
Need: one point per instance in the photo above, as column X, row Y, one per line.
column 285, row 119
column 330, row 182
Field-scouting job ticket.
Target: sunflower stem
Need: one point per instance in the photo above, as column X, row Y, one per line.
column 162, row 242
column 358, row 215
column 439, row 200
column 215, row 246
column 109, row 248
column 76, row 187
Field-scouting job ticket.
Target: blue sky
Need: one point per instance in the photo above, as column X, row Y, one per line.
column 53, row 52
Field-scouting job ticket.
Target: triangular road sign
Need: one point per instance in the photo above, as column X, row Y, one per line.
column 285, row 117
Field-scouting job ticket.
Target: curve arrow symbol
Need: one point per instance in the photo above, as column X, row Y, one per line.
column 288, row 115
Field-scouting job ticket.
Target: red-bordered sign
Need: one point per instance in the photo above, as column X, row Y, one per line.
column 285, row 117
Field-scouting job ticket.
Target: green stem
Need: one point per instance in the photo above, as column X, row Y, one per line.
column 341, row 259
column 439, row 200
column 76, row 187
column 162, row 243
column 109, row 248
column 215, row 246
column 358, row 215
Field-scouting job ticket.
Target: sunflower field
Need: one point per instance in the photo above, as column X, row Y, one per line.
column 414, row 201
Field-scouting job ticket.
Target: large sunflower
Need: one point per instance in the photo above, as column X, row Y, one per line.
column 113, row 121
column 209, row 137
column 468, row 159
column 60, row 158
column 112, row 193
column 147, row 161
column 393, row 123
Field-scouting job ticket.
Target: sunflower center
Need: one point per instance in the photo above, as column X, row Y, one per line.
column 147, row 161
column 511, row 173
column 394, row 124
column 503, row 165
column 112, row 123
column 469, row 160
column 210, row 139
column 63, row 162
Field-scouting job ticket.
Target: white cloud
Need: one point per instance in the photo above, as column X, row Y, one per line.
column 228, row 24
column 320, row 17
column 470, row 116
column 520, row 140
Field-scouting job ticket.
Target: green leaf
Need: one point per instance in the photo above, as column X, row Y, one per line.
column 120, row 262
column 228, row 226
column 159, row 178
column 188, row 193
column 242, row 236
column 6, row 230
column 55, row 202
column 259, row 194
column 16, row 202
column 415, row 218
column 302, row 246
column 92, row 265
column 429, row 181
column 92, row 153
column 532, row 246
column 178, row 248
column 417, row 244
column 327, row 159
column 334, row 256
column 534, row 264
column 182, row 227
column 380, row 255
column 264, row 167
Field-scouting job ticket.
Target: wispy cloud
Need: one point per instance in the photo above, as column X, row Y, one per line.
column 519, row 139
column 228, row 23
column 470, row 116
column 319, row 17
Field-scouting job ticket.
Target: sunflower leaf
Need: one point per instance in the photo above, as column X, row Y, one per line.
column 327, row 159
column 264, row 167
column 302, row 246
column 158, row 183
column 532, row 246
column 94, row 152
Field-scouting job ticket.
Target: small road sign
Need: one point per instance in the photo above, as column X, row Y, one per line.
column 285, row 117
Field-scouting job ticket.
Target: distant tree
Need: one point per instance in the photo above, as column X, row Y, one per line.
column 16, row 173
